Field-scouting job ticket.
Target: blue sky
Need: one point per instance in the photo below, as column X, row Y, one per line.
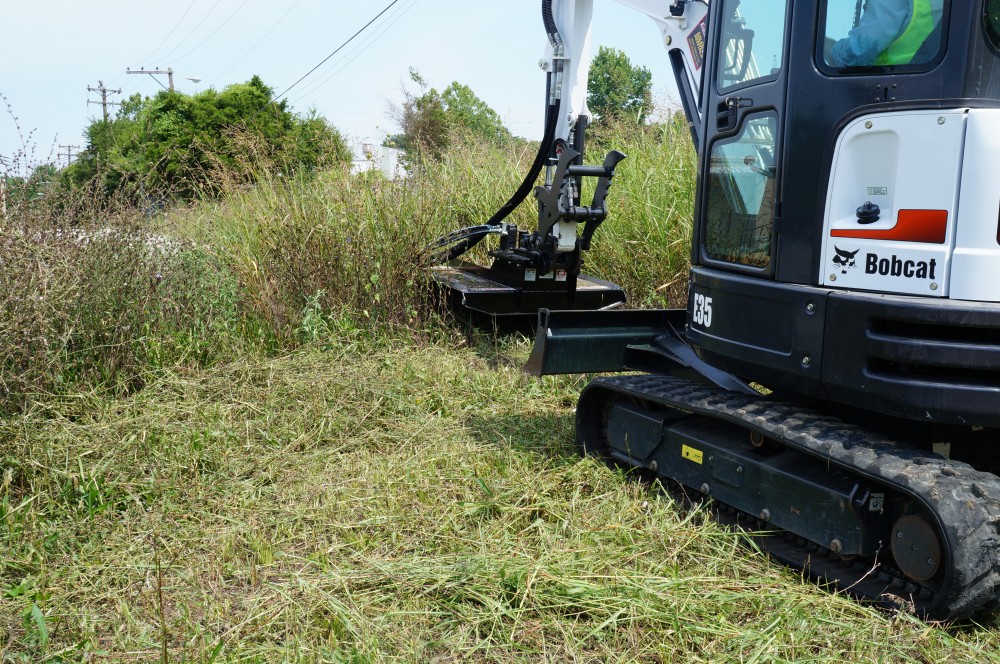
column 57, row 48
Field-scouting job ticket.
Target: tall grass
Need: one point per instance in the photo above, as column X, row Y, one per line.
column 645, row 244
column 99, row 301
column 98, row 293
column 349, row 244
column 352, row 244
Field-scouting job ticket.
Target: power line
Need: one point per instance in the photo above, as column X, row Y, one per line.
column 171, row 33
column 212, row 34
column 359, row 50
column 338, row 50
column 194, row 30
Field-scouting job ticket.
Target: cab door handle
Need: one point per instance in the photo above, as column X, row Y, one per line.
column 729, row 112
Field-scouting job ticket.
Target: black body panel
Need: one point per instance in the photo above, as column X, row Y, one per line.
column 770, row 332
column 932, row 361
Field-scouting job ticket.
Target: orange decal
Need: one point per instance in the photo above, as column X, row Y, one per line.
column 928, row 226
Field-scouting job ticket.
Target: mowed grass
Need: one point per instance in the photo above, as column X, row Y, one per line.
column 379, row 500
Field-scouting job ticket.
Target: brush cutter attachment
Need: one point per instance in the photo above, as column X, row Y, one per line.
column 538, row 269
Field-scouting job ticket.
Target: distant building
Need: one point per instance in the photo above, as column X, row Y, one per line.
column 370, row 156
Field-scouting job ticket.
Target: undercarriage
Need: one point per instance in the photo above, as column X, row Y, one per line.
column 878, row 518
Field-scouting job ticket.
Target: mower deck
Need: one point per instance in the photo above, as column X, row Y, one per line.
column 513, row 295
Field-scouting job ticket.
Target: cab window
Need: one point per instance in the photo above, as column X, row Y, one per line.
column 902, row 34
column 753, row 39
column 991, row 23
column 739, row 222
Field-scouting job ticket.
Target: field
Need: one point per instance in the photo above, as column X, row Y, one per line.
column 234, row 431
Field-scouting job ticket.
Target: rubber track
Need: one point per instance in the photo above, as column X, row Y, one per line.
column 965, row 501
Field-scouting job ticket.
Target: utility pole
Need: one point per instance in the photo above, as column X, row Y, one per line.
column 104, row 97
column 69, row 152
column 152, row 72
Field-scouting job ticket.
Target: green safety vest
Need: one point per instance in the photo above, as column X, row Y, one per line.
column 902, row 51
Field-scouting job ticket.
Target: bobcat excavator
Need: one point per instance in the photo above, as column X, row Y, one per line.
column 835, row 378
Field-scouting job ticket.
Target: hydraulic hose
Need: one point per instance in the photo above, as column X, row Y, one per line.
column 548, row 18
column 551, row 121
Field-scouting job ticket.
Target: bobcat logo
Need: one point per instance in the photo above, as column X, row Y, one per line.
column 844, row 260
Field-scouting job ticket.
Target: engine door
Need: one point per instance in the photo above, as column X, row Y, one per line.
column 744, row 99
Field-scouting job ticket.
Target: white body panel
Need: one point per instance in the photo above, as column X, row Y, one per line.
column 975, row 272
column 570, row 63
column 687, row 33
column 573, row 19
column 909, row 163
column 570, row 68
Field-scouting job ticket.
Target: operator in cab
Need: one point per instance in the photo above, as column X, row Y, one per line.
column 890, row 32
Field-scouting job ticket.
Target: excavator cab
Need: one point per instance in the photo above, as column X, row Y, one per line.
column 846, row 244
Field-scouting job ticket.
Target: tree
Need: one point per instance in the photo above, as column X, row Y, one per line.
column 617, row 89
column 464, row 109
column 428, row 121
column 176, row 144
column 424, row 124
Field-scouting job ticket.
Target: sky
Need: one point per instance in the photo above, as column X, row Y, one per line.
column 56, row 49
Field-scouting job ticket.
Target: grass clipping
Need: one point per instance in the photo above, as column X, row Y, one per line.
column 375, row 502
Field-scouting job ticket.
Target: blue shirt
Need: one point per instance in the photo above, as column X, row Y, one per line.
column 883, row 22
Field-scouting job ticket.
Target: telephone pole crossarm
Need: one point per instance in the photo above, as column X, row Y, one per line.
column 169, row 72
column 104, row 92
column 68, row 153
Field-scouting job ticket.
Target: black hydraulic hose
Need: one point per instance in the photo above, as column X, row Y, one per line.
column 460, row 248
column 551, row 121
column 550, row 23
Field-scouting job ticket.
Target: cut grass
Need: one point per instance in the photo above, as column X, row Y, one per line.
column 382, row 500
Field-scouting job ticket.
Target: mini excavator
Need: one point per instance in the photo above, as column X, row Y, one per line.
column 835, row 378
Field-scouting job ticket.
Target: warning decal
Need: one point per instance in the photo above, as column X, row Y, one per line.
column 696, row 43
column 692, row 454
